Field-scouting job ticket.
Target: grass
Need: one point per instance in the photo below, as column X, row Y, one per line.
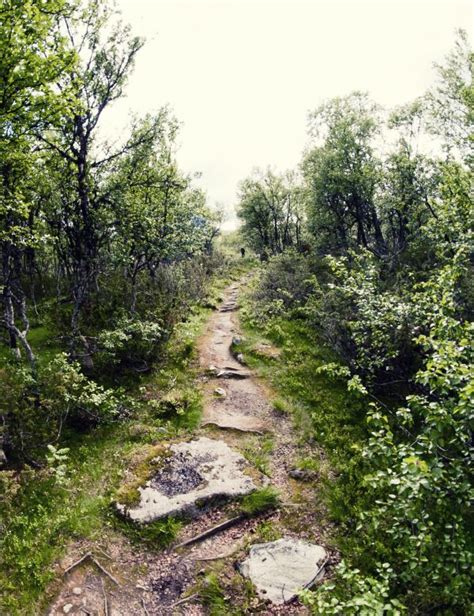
column 260, row 501
column 324, row 413
column 258, row 453
column 322, row 409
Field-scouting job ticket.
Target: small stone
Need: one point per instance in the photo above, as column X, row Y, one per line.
column 220, row 392
column 236, row 341
column 297, row 473
column 76, row 590
column 68, row 607
column 240, row 358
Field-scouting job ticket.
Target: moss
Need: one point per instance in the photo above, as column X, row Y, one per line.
column 145, row 464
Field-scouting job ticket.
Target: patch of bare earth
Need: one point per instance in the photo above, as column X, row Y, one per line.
column 134, row 580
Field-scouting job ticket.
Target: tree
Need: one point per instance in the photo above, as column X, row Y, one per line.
column 271, row 207
column 33, row 57
column 342, row 174
column 450, row 103
column 159, row 217
column 82, row 213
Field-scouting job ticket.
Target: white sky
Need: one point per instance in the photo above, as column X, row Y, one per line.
column 241, row 75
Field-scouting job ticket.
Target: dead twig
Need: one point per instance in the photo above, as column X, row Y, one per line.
column 185, row 600
column 89, row 556
column 77, row 562
column 106, row 604
column 109, row 575
column 213, row 530
column 147, row 613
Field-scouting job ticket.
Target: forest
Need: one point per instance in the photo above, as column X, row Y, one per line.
column 355, row 270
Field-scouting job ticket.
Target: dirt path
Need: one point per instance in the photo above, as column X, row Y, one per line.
column 239, row 412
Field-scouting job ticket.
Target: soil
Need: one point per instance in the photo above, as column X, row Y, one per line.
column 155, row 583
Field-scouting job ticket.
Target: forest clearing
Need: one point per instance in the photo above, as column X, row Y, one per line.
column 270, row 419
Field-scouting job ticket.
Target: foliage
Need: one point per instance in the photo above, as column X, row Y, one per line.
column 270, row 207
column 132, row 343
column 260, row 501
column 68, row 397
column 391, row 294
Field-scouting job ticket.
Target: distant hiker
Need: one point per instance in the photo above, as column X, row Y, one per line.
column 242, row 252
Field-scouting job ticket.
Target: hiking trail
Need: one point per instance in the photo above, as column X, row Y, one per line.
column 241, row 445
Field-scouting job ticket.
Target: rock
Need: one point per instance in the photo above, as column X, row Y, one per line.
column 240, row 358
column 67, row 608
column 220, row 392
column 236, row 341
column 195, row 473
column 281, row 569
column 232, row 374
column 301, row 475
column 231, row 420
column 267, row 351
column 77, row 591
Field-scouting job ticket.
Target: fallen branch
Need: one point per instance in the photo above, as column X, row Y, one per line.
column 109, row 575
column 89, row 556
column 213, row 530
column 77, row 562
column 185, row 600
column 147, row 613
column 106, row 605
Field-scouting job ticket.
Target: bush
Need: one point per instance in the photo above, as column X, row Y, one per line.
column 132, row 344
column 285, row 283
column 36, row 410
column 371, row 328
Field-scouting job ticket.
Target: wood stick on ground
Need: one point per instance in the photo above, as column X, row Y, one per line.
column 147, row 613
column 185, row 600
column 107, row 573
column 106, row 605
column 212, row 531
column 77, row 562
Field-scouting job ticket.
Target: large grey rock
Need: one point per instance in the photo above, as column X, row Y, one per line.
column 280, row 569
column 196, row 472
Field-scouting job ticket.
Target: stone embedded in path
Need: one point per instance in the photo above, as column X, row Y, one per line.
column 230, row 420
column 232, row 373
column 280, row 569
column 196, row 472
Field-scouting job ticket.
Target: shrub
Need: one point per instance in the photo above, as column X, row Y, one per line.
column 285, row 283
column 36, row 410
column 133, row 343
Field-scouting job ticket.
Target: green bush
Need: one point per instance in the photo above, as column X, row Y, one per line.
column 36, row 410
column 133, row 343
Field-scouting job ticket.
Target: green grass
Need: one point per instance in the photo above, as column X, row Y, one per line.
column 258, row 453
column 324, row 413
column 260, row 501
column 322, row 408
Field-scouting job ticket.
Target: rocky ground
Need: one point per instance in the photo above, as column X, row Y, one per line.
column 114, row 577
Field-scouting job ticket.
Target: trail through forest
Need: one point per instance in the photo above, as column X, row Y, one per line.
column 117, row 577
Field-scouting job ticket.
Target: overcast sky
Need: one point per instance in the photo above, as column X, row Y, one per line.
column 241, row 75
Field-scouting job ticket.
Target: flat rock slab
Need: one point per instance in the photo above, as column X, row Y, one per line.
column 196, row 472
column 232, row 373
column 280, row 569
column 222, row 418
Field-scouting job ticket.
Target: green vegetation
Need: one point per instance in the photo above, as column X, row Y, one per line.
column 359, row 314
column 260, row 501
column 373, row 314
